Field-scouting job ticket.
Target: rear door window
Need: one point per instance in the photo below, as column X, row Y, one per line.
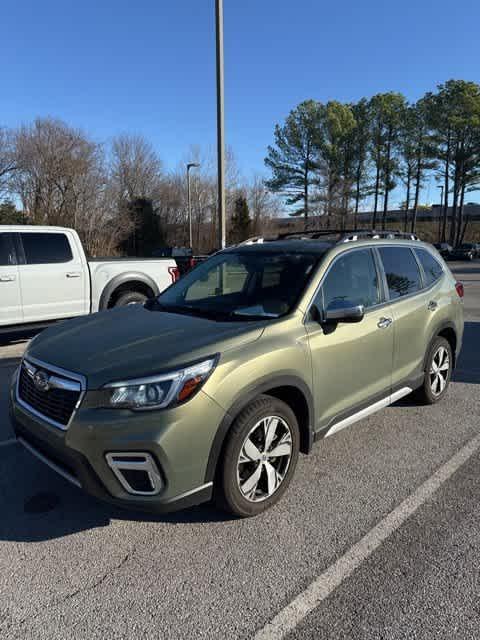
column 7, row 251
column 401, row 270
column 46, row 248
column 431, row 267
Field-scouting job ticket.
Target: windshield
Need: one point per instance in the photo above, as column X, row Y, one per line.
column 241, row 285
column 466, row 245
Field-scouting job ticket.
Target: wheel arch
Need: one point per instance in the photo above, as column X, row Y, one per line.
column 120, row 283
column 291, row 390
column 448, row 331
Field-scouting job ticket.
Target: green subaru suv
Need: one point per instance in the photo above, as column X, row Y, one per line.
column 213, row 388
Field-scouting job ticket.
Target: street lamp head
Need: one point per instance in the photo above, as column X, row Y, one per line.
column 190, row 165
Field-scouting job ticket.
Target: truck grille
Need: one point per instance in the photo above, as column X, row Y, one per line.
column 47, row 393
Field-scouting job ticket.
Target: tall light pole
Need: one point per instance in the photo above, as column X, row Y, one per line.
column 220, row 124
column 190, row 165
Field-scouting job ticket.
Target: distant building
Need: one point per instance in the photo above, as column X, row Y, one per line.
column 364, row 218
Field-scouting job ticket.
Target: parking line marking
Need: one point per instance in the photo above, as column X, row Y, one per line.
column 7, row 443
column 294, row 612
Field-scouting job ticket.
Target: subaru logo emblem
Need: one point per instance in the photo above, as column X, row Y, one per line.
column 41, row 380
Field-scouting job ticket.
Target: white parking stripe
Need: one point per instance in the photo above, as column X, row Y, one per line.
column 289, row 617
column 7, row 443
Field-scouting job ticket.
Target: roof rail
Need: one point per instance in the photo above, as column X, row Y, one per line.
column 349, row 235
column 385, row 234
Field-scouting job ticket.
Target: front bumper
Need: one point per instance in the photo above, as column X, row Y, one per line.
column 178, row 439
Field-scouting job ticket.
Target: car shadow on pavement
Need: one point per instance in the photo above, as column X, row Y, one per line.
column 9, row 339
column 468, row 365
column 37, row 505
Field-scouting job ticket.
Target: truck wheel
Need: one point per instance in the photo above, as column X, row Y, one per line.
column 130, row 297
column 259, row 459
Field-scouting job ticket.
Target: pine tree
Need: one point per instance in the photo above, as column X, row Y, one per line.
column 240, row 220
column 293, row 160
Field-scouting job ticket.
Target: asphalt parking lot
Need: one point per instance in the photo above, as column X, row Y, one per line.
column 377, row 537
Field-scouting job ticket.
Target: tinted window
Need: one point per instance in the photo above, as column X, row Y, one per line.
column 224, row 279
column 46, row 248
column 401, row 269
column 431, row 267
column 7, row 254
column 352, row 277
column 247, row 284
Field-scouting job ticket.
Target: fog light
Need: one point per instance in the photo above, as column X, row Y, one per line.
column 137, row 472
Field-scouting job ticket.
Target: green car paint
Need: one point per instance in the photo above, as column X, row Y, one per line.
column 328, row 373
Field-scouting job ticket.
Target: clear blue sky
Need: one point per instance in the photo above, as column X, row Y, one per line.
column 148, row 66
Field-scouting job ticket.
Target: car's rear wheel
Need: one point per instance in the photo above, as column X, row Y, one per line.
column 259, row 458
column 438, row 371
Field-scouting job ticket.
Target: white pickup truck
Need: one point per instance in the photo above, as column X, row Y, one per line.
column 45, row 276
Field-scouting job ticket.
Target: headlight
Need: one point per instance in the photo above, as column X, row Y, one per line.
column 159, row 392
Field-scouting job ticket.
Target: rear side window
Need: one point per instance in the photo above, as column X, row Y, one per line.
column 7, row 252
column 401, row 269
column 352, row 278
column 46, row 248
column 432, row 269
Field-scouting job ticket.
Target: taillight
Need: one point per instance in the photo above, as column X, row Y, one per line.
column 191, row 263
column 174, row 273
column 460, row 289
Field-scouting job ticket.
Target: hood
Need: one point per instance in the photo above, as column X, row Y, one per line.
column 131, row 342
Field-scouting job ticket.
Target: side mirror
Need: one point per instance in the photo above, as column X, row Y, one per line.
column 343, row 311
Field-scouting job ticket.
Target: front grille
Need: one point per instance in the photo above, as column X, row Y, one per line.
column 55, row 404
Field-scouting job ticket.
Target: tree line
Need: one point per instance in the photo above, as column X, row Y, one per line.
column 118, row 196
column 327, row 159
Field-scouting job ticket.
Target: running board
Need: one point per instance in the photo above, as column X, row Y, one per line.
column 381, row 404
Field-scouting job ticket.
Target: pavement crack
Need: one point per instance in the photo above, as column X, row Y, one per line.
column 54, row 604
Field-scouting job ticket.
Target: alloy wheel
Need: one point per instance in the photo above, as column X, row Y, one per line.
column 264, row 459
column 439, row 370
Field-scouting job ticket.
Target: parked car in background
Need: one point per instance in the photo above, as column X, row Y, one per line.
column 213, row 388
column 45, row 276
column 183, row 257
column 466, row 251
column 444, row 249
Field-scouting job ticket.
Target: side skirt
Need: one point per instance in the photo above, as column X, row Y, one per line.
column 373, row 408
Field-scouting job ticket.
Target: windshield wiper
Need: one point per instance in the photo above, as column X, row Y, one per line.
column 187, row 310
column 238, row 315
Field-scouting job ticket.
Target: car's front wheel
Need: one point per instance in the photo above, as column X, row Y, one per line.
column 438, row 371
column 259, row 458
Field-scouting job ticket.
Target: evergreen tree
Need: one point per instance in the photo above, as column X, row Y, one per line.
column 293, row 160
column 240, row 220
column 387, row 111
column 9, row 214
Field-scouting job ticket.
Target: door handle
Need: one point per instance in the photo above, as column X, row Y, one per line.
column 384, row 323
column 7, row 278
column 73, row 274
column 432, row 305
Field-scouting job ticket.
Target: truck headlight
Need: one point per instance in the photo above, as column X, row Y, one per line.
column 161, row 391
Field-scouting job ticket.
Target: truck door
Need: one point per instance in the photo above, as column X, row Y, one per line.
column 10, row 298
column 52, row 276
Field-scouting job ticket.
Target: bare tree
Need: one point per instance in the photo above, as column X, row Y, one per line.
column 263, row 206
column 59, row 172
column 7, row 160
column 135, row 167
column 61, row 180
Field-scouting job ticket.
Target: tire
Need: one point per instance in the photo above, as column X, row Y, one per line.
column 130, row 297
column 268, row 476
column 434, row 388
